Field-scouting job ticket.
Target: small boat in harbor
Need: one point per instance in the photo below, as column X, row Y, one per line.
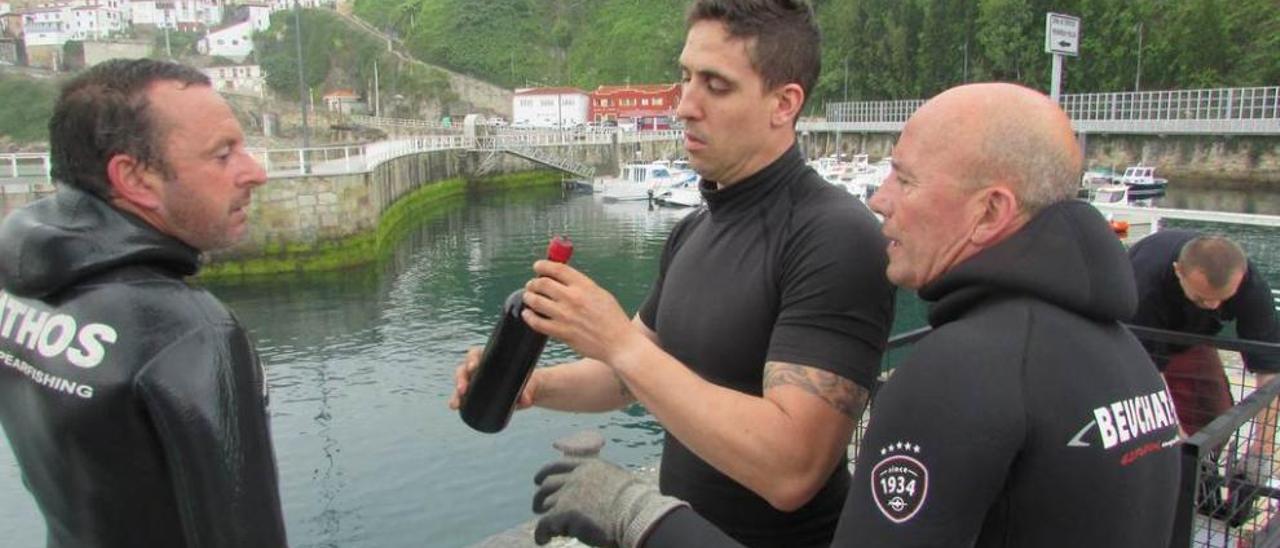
column 1097, row 177
column 639, row 182
column 1142, row 182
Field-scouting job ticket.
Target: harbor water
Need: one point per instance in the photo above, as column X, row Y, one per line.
column 360, row 366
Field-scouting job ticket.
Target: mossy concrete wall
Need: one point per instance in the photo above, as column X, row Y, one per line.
column 328, row 222
column 1218, row 160
column 1225, row 161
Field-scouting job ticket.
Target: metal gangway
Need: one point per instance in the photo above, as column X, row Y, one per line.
column 1223, row 111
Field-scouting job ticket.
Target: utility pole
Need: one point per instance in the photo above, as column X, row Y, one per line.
column 377, row 92
column 303, row 94
column 168, row 51
column 843, row 106
column 1137, row 74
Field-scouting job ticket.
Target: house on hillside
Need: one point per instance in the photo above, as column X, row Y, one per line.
column 549, row 107
column 647, row 106
column 98, row 21
column 234, row 41
column 43, row 38
column 188, row 15
column 241, row 79
column 345, row 101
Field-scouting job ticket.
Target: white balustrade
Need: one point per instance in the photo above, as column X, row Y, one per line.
column 1197, row 111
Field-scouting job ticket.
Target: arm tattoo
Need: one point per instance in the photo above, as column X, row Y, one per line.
column 843, row 394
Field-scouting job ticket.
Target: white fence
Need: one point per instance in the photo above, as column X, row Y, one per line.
column 1246, row 111
column 348, row 159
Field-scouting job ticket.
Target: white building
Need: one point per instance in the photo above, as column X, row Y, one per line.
column 43, row 33
column 94, row 22
column 186, row 14
column 244, row 79
column 277, row 5
column 549, row 107
column 234, row 42
column 259, row 14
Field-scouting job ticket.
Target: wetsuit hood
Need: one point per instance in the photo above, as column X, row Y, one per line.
column 56, row 242
column 1066, row 255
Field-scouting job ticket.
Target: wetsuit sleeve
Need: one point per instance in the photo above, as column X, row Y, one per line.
column 684, row 527
column 205, row 394
column 836, row 304
column 944, row 430
column 1256, row 321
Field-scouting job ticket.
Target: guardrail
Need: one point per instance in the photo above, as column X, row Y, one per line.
column 650, row 136
column 404, row 122
column 24, row 164
column 541, row 139
column 1253, row 110
column 348, row 159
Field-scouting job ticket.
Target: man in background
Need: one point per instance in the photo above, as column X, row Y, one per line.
column 1194, row 283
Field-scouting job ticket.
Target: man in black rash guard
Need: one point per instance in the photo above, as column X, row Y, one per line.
column 765, row 327
column 135, row 404
column 1029, row 416
column 1193, row 283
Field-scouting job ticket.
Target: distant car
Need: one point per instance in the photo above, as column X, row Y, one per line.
column 498, row 121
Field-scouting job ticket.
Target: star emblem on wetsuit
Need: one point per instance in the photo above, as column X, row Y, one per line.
column 900, row 481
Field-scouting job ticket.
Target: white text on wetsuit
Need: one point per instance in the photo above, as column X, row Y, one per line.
column 1127, row 419
column 52, row 335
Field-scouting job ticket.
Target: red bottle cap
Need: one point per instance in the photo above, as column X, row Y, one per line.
column 560, row 249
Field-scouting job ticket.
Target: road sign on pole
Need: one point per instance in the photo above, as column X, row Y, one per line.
column 1061, row 37
column 1062, row 34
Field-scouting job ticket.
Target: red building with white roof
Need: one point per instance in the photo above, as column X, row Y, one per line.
column 650, row 106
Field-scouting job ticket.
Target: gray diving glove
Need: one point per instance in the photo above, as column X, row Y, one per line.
column 597, row 502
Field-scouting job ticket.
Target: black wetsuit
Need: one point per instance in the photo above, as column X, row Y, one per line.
column 781, row 266
column 1163, row 305
column 134, row 403
column 1029, row 417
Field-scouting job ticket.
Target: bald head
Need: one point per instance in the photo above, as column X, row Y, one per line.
column 1005, row 134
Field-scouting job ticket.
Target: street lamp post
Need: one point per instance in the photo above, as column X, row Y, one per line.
column 1137, row 74
column 302, row 81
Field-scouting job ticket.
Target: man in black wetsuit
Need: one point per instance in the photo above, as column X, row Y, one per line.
column 764, row 329
column 1195, row 283
column 135, row 404
column 1029, row 416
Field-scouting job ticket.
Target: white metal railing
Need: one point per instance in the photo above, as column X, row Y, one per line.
column 1152, row 213
column 542, row 139
column 404, row 122
column 1253, row 110
column 651, row 135
column 24, row 165
column 350, row 158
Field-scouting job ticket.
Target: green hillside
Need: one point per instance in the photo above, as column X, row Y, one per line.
column 338, row 55
column 881, row 48
column 30, row 123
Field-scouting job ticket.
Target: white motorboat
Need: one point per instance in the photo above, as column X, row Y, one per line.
column 638, row 182
column 1142, row 182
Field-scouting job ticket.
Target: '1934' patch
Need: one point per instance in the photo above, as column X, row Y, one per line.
column 899, row 482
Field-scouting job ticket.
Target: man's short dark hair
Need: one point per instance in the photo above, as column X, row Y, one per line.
column 787, row 44
column 104, row 112
column 1217, row 257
